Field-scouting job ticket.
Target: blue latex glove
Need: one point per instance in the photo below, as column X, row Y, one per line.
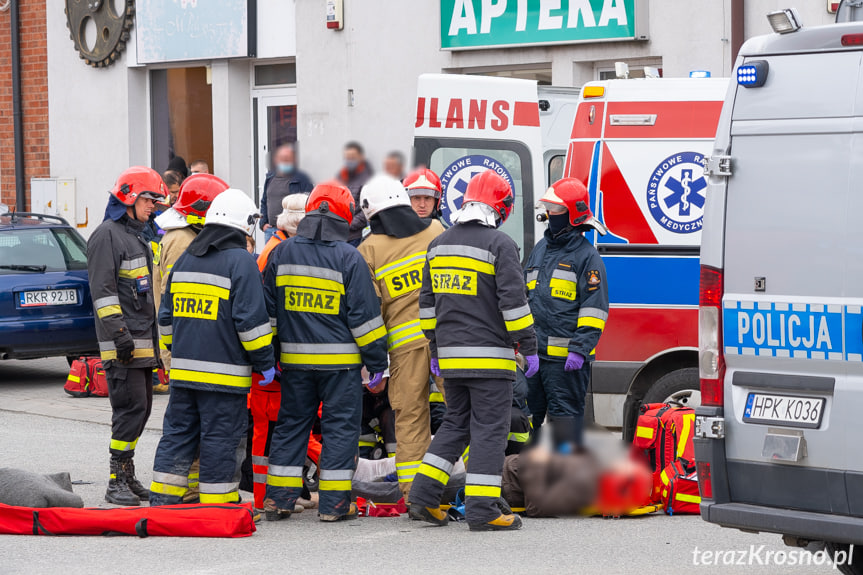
column 532, row 365
column 434, row 367
column 375, row 380
column 574, row 362
column 268, row 374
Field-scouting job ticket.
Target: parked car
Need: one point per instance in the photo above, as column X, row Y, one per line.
column 45, row 304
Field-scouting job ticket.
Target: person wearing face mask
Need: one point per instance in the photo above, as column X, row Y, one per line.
column 568, row 295
column 284, row 180
column 354, row 175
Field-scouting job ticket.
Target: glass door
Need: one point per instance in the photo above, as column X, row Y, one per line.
column 276, row 124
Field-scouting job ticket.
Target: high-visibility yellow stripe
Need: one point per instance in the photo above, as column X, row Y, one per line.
column 334, row 485
column 118, row 445
column 556, row 351
column 166, row 340
column 213, row 378
column 436, row 397
column 408, row 261
column 482, row 491
column 309, row 282
column 109, row 310
column 563, row 289
column 232, row 497
column 372, row 336
column 74, row 378
column 433, row 472
column 462, row 262
column 367, row 443
column 477, row 363
column 531, row 284
column 277, row 481
column 166, row 489
column 645, row 432
column 688, row 420
column 519, row 323
column 519, row 437
column 200, row 289
column 685, row 497
column 518, row 509
column 138, row 353
column 258, row 342
column 591, row 322
column 428, row 324
column 133, row 274
column 328, row 359
column 664, row 477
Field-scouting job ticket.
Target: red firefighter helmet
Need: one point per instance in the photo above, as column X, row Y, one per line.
column 492, row 190
column 196, row 194
column 423, row 182
column 571, row 194
column 332, row 197
column 139, row 181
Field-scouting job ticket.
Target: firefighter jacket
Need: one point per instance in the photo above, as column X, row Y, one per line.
column 120, row 266
column 568, row 294
column 322, row 303
column 473, row 307
column 397, row 266
column 172, row 246
column 213, row 317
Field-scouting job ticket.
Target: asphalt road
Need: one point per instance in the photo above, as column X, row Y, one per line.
column 44, row 430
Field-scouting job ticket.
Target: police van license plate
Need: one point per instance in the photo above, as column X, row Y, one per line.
column 788, row 410
column 48, row 297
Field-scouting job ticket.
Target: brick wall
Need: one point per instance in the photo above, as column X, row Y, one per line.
column 34, row 97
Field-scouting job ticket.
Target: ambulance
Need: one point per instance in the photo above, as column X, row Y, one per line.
column 640, row 146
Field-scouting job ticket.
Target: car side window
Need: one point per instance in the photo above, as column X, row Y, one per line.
column 74, row 249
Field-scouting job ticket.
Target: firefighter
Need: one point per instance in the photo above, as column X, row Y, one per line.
column 120, row 267
column 475, row 315
column 182, row 222
column 395, row 252
column 214, row 320
column 568, row 295
column 424, row 189
column 322, row 301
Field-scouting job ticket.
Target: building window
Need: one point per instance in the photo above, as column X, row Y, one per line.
column 605, row 70
column 181, row 107
column 275, row 74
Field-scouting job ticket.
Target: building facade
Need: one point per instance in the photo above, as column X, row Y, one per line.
column 228, row 84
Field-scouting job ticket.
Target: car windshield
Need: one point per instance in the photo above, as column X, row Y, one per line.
column 31, row 250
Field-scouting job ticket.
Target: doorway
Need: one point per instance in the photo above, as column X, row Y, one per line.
column 275, row 124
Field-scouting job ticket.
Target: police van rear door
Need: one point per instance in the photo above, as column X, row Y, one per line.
column 468, row 124
column 792, row 320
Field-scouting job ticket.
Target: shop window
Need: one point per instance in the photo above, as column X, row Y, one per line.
column 181, row 107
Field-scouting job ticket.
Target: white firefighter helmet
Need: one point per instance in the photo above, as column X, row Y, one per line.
column 235, row 209
column 381, row 193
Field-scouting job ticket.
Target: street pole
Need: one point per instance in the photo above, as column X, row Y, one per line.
column 17, row 116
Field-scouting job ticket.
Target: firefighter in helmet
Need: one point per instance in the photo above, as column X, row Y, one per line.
column 424, row 189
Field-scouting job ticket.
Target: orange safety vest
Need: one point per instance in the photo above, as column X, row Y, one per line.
column 278, row 238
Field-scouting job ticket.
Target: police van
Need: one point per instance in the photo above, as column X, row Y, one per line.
column 639, row 145
column 779, row 428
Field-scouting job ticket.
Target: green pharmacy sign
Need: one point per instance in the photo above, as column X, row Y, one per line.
column 469, row 24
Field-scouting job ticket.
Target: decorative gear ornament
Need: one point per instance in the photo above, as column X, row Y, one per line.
column 111, row 28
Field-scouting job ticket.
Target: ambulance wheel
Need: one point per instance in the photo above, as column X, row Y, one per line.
column 680, row 387
column 841, row 552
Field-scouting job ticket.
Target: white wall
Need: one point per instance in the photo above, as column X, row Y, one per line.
column 232, row 128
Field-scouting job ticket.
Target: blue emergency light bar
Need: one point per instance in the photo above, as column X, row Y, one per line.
column 752, row 74
column 699, row 74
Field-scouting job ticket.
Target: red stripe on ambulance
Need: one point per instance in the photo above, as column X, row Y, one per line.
column 475, row 114
column 673, row 119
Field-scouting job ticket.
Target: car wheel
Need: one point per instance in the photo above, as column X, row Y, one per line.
column 680, row 387
column 853, row 567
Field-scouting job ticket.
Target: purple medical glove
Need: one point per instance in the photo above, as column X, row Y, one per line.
column 574, row 362
column 532, row 365
column 268, row 374
column 376, row 380
column 434, row 367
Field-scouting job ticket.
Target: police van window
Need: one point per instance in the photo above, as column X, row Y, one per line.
column 457, row 165
column 555, row 168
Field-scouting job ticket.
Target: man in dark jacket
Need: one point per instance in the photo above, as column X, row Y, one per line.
column 354, row 175
column 284, row 180
column 120, row 268
column 214, row 320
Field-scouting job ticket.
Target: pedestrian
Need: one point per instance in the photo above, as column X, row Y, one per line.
column 293, row 210
column 199, row 167
column 568, row 295
column 424, row 188
column 354, row 175
column 120, row 268
column 178, row 164
column 285, row 179
column 394, row 165
column 395, row 252
column 214, row 320
column 475, row 315
column 172, row 180
column 322, row 299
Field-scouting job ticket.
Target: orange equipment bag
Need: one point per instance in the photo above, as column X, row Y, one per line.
column 679, row 488
column 663, row 434
column 86, row 378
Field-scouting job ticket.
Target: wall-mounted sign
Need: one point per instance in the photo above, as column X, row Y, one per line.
column 467, row 24
column 178, row 30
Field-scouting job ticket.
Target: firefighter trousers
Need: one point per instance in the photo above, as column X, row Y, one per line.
column 213, row 423
column 340, row 392
column 478, row 411
column 409, row 398
column 561, row 395
column 130, row 391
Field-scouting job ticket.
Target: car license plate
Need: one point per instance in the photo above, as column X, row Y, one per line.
column 48, row 297
column 787, row 410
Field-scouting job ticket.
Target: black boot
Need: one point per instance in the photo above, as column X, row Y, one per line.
column 132, row 481
column 118, row 490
